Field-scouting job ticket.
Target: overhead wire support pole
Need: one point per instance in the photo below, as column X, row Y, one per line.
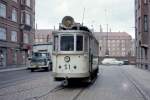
column 83, row 16
column 107, row 50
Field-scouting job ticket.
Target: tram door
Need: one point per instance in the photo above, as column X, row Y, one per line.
column 90, row 55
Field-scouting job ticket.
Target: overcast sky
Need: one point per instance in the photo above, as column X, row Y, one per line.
column 119, row 14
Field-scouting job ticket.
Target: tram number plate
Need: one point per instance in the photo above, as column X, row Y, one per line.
column 67, row 66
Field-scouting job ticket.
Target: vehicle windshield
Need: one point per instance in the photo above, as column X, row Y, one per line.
column 67, row 43
column 36, row 60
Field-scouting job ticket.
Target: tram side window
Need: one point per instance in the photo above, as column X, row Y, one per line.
column 55, row 43
column 67, row 43
column 79, row 43
column 86, row 44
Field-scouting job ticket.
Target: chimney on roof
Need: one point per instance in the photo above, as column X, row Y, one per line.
column 101, row 29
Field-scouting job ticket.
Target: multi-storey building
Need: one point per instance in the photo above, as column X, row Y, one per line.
column 16, row 31
column 133, row 48
column 114, row 44
column 142, row 29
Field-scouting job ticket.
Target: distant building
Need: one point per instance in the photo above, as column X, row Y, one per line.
column 17, row 20
column 142, row 33
column 43, row 36
column 43, row 41
column 133, row 48
column 114, row 44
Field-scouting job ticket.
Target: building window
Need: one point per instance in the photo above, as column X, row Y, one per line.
column 14, row 15
column 139, row 2
column 41, row 40
column 145, row 1
column 28, row 3
column 15, row 1
column 36, row 40
column 123, row 53
column 14, row 36
column 2, row 10
column 2, row 34
column 28, row 19
column 26, row 38
column 145, row 23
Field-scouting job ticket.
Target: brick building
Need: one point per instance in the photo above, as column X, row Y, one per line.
column 142, row 29
column 43, row 41
column 43, row 36
column 17, row 19
column 114, row 44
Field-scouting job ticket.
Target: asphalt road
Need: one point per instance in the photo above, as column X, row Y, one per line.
column 113, row 83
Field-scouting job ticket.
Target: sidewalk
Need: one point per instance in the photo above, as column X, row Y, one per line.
column 140, row 78
column 13, row 68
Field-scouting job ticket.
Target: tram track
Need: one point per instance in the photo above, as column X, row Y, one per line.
column 55, row 89
column 20, row 81
column 61, row 87
column 83, row 89
column 135, row 84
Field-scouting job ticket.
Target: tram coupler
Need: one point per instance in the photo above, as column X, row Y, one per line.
column 65, row 82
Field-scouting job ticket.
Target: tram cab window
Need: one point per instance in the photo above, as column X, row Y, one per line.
column 55, row 43
column 86, row 44
column 79, row 43
column 67, row 43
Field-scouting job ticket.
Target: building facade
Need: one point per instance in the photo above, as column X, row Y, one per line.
column 142, row 29
column 114, row 44
column 17, row 19
column 43, row 36
column 43, row 41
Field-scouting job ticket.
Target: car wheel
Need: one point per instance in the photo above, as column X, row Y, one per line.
column 32, row 70
column 47, row 69
column 50, row 66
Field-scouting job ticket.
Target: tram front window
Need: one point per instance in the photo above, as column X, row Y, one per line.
column 79, row 43
column 67, row 43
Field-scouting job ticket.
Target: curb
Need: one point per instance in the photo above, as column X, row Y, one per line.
column 137, row 86
column 12, row 69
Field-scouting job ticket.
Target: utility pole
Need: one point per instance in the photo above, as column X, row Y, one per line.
column 107, row 50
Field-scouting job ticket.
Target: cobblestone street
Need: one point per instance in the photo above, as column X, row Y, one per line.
column 113, row 83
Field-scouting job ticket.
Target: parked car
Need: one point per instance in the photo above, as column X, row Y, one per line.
column 126, row 62
column 40, row 63
column 111, row 61
column 40, row 60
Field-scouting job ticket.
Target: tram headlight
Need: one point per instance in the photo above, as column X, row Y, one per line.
column 67, row 21
column 67, row 59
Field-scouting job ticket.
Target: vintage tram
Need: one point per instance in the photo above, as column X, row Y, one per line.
column 75, row 52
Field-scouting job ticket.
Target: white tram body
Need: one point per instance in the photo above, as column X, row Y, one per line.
column 75, row 53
